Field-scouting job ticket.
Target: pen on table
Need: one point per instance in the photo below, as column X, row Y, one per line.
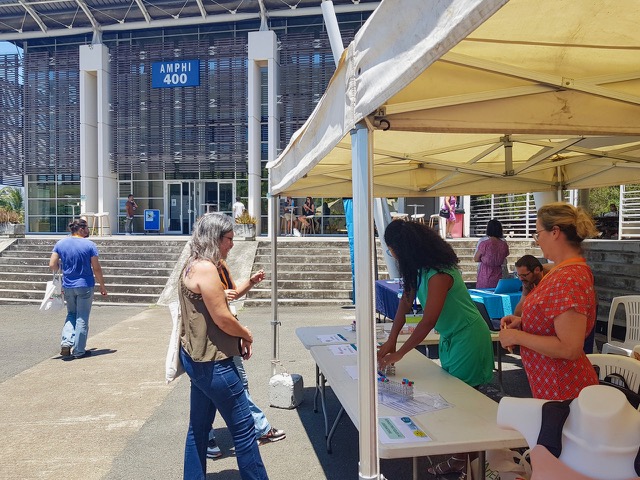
column 339, row 335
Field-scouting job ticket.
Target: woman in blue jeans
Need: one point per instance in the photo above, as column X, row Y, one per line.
column 210, row 337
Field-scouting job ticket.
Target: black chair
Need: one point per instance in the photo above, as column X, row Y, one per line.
column 494, row 325
column 494, row 328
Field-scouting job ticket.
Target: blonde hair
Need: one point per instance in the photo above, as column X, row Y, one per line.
column 575, row 222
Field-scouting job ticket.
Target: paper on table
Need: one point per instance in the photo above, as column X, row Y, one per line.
column 343, row 349
column 331, row 338
column 352, row 370
column 422, row 403
column 400, row 430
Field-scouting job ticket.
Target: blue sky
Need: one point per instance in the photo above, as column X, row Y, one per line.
column 7, row 47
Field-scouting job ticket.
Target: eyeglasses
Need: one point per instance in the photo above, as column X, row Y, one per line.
column 524, row 275
column 537, row 234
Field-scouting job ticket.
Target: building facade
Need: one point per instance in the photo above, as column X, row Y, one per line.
column 87, row 123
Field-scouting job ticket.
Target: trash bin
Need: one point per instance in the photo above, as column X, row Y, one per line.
column 458, row 228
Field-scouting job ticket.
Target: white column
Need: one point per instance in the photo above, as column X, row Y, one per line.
column 542, row 198
column 263, row 51
column 466, row 227
column 98, row 186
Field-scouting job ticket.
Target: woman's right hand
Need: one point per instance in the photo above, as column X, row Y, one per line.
column 510, row 321
column 386, row 348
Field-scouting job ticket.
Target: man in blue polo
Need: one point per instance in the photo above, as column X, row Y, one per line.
column 77, row 257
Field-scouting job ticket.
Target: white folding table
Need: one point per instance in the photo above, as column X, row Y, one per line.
column 469, row 426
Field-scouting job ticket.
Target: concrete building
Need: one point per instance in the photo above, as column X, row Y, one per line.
column 179, row 103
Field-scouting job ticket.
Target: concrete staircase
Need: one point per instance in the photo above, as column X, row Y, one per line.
column 135, row 270
column 466, row 248
column 317, row 271
column 311, row 271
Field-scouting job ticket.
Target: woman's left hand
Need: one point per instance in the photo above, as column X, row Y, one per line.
column 246, row 349
column 231, row 294
column 257, row 277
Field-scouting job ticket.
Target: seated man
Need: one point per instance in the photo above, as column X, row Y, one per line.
column 530, row 272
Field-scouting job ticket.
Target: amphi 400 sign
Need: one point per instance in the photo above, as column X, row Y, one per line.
column 177, row 73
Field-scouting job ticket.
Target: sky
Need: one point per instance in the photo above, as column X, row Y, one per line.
column 7, row 47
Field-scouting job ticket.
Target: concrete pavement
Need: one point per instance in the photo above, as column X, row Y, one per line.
column 111, row 416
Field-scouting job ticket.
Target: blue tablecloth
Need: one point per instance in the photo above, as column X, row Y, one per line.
column 497, row 305
column 387, row 300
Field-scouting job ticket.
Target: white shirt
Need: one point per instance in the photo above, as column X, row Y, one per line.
column 237, row 209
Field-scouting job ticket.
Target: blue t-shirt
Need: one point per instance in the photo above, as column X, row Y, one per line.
column 75, row 254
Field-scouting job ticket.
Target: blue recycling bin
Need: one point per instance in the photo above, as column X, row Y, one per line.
column 152, row 220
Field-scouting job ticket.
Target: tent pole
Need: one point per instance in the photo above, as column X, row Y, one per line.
column 362, row 175
column 333, row 30
column 274, row 216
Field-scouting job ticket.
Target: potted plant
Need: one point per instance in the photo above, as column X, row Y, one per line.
column 245, row 226
column 11, row 223
column 11, row 212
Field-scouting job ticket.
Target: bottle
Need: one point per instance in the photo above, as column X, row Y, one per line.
column 400, row 288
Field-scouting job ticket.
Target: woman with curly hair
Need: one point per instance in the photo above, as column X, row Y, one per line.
column 429, row 268
column 560, row 311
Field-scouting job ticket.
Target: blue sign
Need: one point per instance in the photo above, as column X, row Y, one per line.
column 178, row 73
column 152, row 220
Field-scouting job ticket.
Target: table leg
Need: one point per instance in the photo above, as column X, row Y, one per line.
column 499, row 354
column 333, row 429
column 320, row 384
column 315, row 395
column 481, row 461
column 414, row 467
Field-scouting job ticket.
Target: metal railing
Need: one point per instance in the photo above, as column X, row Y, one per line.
column 517, row 212
column 629, row 211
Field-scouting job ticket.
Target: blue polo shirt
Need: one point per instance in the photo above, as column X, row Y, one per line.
column 75, row 255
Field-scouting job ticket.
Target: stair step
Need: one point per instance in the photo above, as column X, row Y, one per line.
column 294, row 302
column 135, row 272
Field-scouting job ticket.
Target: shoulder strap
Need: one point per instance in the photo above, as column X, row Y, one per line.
column 554, row 414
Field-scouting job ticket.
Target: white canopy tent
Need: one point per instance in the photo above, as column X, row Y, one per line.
column 506, row 110
column 543, row 95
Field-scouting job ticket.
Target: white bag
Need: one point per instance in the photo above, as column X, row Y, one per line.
column 53, row 300
column 173, row 365
column 505, row 464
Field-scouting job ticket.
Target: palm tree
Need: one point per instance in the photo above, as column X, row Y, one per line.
column 11, row 200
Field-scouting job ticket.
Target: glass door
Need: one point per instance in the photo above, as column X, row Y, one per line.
column 225, row 197
column 181, row 211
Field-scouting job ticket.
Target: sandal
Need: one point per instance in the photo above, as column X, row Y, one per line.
column 450, row 465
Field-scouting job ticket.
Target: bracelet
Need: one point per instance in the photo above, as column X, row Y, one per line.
column 251, row 281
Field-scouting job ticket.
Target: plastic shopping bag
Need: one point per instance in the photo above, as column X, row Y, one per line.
column 53, row 300
column 173, row 365
column 505, row 464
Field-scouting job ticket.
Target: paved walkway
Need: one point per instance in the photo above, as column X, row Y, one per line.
column 111, row 416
